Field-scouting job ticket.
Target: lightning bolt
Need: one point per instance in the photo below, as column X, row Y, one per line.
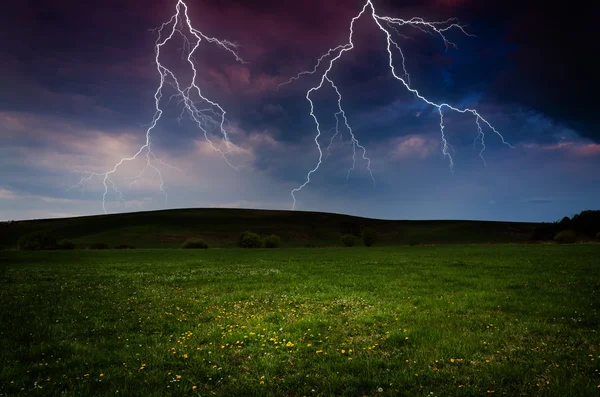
column 388, row 26
column 211, row 116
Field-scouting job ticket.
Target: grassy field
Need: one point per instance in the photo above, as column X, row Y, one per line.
column 221, row 228
column 460, row 320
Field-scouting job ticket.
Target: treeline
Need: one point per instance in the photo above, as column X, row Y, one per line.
column 246, row 240
column 584, row 226
column 40, row 240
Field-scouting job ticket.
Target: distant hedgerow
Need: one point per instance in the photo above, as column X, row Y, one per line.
column 124, row 246
column 249, row 240
column 36, row 241
column 566, row 237
column 272, row 241
column 98, row 246
column 195, row 243
column 348, row 240
column 65, row 245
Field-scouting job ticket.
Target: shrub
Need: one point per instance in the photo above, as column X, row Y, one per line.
column 598, row 236
column 124, row 246
column 566, row 237
column 249, row 240
column 65, row 245
column 98, row 246
column 564, row 222
column 369, row 236
column 36, row 241
column 272, row 241
column 195, row 243
column 348, row 240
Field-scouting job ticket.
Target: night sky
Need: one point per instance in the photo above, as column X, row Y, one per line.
column 78, row 80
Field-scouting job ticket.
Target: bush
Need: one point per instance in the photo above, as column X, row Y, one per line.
column 598, row 236
column 586, row 223
column 348, row 240
column 566, row 237
column 369, row 236
column 65, row 245
column 195, row 243
column 272, row 241
column 98, row 246
column 249, row 240
column 36, row 241
column 124, row 246
column 564, row 222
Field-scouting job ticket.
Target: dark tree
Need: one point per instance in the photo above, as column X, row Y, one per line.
column 249, row 240
column 348, row 240
column 36, row 241
column 272, row 241
column 369, row 236
column 566, row 237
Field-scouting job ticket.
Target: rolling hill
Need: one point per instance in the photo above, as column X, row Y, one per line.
column 221, row 227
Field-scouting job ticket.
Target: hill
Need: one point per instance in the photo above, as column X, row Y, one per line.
column 221, row 227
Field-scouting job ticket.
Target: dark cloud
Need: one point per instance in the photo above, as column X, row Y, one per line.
column 556, row 64
column 552, row 53
column 534, row 54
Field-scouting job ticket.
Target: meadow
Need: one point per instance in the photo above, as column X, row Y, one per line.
column 445, row 320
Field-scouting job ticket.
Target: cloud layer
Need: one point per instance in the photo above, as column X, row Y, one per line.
column 79, row 86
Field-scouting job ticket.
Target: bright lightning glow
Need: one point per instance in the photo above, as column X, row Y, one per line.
column 210, row 116
column 391, row 25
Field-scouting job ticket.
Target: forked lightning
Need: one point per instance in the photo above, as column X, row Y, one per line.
column 210, row 116
column 388, row 26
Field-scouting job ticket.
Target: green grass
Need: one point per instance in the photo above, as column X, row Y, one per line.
column 222, row 227
column 428, row 320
